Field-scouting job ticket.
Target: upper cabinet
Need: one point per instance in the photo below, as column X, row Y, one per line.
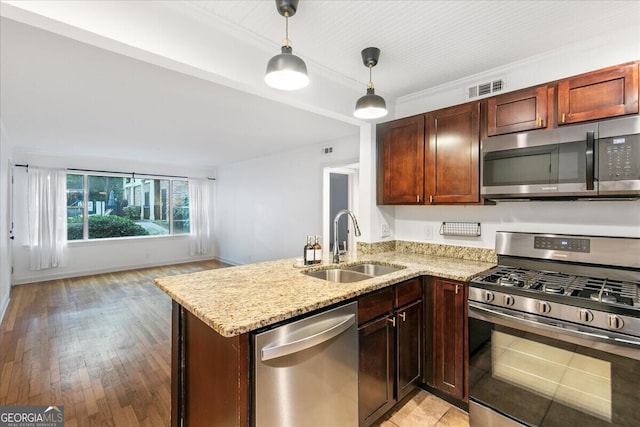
column 517, row 111
column 401, row 161
column 452, row 155
column 430, row 158
column 600, row 94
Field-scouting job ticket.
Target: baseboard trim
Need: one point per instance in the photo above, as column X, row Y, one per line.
column 56, row 275
column 3, row 307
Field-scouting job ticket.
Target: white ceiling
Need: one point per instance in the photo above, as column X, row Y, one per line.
column 67, row 96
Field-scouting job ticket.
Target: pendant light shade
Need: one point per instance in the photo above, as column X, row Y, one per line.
column 370, row 106
column 286, row 71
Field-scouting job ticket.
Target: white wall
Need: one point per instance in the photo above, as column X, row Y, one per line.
column 5, row 253
column 266, row 207
column 618, row 47
column 104, row 255
column 601, row 218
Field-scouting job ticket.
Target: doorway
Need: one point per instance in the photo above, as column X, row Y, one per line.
column 340, row 186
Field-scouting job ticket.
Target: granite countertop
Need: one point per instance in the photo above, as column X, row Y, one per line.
column 236, row 300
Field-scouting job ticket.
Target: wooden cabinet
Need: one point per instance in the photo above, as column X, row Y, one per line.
column 375, row 376
column 390, row 345
column 600, row 94
column 401, row 161
column 431, row 158
column 408, row 347
column 517, row 111
column 210, row 374
column 452, row 169
column 448, row 326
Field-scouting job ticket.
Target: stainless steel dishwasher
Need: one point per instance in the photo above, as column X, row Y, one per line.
column 306, row 372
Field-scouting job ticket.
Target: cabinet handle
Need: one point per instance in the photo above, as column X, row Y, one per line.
column 403, row 316
column 564, row 118
column 392, row 320
column 417, row 198
column 539, row 122
column 457, row 289
column 431, row 199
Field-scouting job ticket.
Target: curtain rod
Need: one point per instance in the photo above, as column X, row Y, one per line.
column 133, row 174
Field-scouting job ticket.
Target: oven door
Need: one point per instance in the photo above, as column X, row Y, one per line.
column 522, row 372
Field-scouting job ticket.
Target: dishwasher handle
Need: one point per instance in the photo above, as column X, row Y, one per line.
column 342, row 324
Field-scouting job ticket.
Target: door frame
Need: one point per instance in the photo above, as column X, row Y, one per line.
column 352, row 171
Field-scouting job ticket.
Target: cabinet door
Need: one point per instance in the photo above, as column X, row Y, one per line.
column 449, row 337
column 401, row 161
column 517, row 111
column 600, row 94
column 375, row 374
column 409, row 347
column 452, row 170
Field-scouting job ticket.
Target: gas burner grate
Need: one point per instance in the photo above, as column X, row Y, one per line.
column 508, row 276
column 609, row 290
column 552, row 282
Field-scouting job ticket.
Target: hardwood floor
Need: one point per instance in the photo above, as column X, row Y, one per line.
column 97, row 345
column 100, row 346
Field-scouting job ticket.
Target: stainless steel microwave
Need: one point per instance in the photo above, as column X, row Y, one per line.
column 593, row 160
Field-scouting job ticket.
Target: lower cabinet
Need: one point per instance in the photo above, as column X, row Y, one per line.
column 447, row 342
column 209, row 374
column 390, row 341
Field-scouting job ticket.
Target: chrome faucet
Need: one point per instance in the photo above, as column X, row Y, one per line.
column 336, row 253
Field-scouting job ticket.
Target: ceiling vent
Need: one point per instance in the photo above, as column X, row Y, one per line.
column 486, row 88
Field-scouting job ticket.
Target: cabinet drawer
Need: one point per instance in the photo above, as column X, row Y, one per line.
column 374, row 305
column 407, row 292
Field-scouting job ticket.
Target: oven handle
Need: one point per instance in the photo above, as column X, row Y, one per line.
column 616, row 345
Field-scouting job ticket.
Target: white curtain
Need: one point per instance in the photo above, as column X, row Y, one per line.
column 199, row 208
column 47, row 217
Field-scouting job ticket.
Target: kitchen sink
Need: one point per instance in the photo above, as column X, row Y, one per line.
column 373, row 269
column 353, row 273
column 339, row 275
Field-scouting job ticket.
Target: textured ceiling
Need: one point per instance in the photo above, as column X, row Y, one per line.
column 424, row 43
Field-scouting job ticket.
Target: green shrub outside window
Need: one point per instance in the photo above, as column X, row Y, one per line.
column 100, row 206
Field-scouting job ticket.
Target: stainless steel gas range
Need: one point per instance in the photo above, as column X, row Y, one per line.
column 554, row 332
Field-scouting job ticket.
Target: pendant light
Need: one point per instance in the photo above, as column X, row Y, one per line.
column 370, row 106
column 286, row 71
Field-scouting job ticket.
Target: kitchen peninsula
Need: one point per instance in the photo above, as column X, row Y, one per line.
column 215, row 311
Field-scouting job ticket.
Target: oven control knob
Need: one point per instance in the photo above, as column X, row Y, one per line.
column 614, row 321
column 508, row 300
column 543, row 307
column 585, row 315
column 489, row 296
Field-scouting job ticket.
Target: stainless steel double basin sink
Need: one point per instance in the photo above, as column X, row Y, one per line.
column 353, row 273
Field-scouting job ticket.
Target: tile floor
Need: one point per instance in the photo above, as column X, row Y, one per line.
column 426, row 410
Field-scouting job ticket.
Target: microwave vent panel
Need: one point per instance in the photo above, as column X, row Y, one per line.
column 485, row 88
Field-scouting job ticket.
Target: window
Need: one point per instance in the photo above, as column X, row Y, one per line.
column 108, row 206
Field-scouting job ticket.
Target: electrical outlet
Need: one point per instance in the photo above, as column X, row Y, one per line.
column 428, row 232
column 384, row 230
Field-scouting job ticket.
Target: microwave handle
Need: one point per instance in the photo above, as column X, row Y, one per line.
column 589, row 155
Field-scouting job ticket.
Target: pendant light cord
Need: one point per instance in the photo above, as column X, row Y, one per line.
column 286, row 25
